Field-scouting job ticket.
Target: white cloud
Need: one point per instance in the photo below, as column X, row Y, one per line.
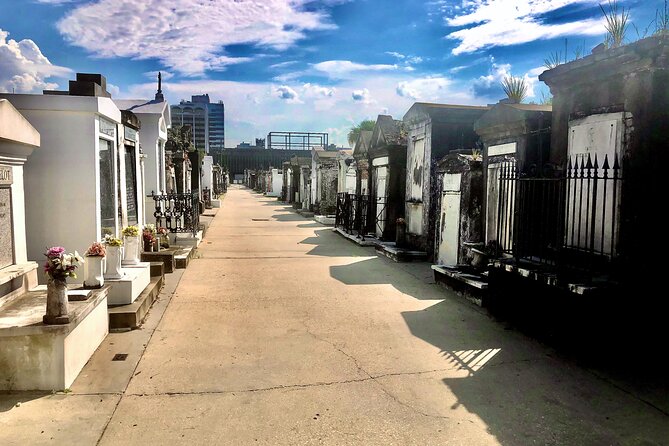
column 339, row 69
column 114, row 90
column 405, row 58
column 154, row 75
column 490, row 85
column 287, row 94
column 23, row 67
column 362, row 96
column 316, row 91
column 424, row 89
column 509, row 22
column 283, row 64
column 188, row 36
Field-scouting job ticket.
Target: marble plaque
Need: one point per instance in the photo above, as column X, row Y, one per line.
column 6, row 229
column 6, row 177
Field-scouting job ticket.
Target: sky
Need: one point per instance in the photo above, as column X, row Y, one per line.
column 301, row 65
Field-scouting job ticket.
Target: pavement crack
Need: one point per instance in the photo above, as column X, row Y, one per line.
column 374, row 378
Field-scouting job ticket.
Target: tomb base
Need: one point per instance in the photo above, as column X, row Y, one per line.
column 125, row 290
column 36, row 356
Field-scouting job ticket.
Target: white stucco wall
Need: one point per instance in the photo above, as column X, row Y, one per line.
column 61, row 179
column 277, row 182
column 208, row 172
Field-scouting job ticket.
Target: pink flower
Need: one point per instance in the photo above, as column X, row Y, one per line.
column 55, row 252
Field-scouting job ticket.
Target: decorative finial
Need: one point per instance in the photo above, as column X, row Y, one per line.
column 159, row 95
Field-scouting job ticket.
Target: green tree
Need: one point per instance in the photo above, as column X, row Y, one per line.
column 180, row 138
column 354, row 133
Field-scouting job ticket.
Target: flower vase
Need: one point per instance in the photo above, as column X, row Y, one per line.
column 113, row 268
column 148, row 246
column 56, row 303
column 164, row 241
column 94, row 269
column 130, row 250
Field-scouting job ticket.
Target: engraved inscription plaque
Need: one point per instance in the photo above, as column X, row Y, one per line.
column 6, row 230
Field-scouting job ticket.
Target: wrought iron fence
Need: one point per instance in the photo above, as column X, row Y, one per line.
column 351, row 213
column 177, row 212
column 569, row 220
column 380, row 214
column 206, row 197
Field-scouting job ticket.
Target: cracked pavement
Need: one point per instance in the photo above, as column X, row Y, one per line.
column 282, row 332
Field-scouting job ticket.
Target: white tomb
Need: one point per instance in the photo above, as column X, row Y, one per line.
column 87, row 156
column 35, row 356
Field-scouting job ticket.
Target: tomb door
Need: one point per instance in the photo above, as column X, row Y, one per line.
column 131, row 185
column 450, row 219
column 381, row 196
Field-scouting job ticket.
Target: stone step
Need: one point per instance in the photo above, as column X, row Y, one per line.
column 471, row 285
column 183, row 257
column 157, row 269
column 166, row 256
column 132, row 315
column 400, row 254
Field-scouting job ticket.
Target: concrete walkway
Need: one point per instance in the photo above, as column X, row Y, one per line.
column 282, row 332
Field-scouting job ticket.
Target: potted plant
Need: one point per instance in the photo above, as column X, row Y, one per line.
column 130, row 245
column 154, row 233
column 149, row 240
column 114, row 250
column 94, row 267
column 58, row 267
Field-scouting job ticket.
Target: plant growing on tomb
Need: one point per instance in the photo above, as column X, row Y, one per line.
column 553, row 60
column 110, row 240
column 616, row 24
column 60, row 265
column 662, row 20
column 515, row 88
column 130, row 231
column 96, row 250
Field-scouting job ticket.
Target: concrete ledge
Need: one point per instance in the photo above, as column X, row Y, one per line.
column 127, row 289
column 166, row 256
column 547, row 277
column 472, row 286
column 368, row 241
column 189, row 239
column 325, row 220
column 35, row 356
column 157, row 269
column 305, row 213
column 16, row 280
column 132, row 315
column 400, row 254
column 215, row 204
column 183, row 256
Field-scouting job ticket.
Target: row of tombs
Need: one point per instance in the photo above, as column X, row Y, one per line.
column 81, row 172
column 565, row 196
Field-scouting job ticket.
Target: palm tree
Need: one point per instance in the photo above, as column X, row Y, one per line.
column 354, row 133
column 515, row 88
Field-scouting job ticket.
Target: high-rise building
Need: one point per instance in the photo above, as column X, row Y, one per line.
column 207, row 120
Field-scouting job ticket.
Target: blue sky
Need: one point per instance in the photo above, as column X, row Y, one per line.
column 299, row 65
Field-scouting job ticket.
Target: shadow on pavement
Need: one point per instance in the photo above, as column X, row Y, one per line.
column 9, row 400
column 582, row 386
